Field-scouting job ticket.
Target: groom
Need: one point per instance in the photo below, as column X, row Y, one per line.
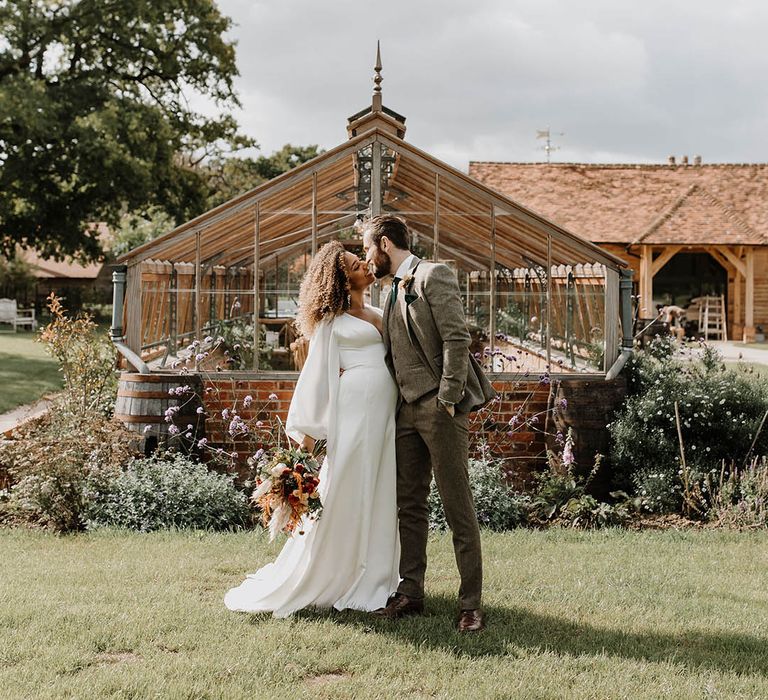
column 440, row 383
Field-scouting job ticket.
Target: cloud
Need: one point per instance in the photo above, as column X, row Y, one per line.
column 624, row 80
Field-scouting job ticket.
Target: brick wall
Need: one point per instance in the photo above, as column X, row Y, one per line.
column 525, row 403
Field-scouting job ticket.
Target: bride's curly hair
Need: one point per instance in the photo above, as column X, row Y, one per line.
column 325, row 288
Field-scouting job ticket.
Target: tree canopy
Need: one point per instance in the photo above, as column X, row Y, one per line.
column 94, row 118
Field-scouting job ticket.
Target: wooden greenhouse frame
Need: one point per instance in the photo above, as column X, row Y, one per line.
column 486, row 235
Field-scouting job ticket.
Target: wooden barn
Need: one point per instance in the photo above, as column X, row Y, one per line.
column 690, row 231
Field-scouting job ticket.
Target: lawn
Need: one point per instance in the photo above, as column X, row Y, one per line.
column 27, row 371
column 612, row 614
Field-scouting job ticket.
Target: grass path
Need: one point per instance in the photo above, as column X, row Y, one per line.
column 571, row 615
column 27, row 372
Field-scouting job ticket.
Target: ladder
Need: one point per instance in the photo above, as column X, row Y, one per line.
column 712, row 318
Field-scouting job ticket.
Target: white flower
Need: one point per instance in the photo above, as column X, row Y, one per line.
column 278, row 469
column 264, row 488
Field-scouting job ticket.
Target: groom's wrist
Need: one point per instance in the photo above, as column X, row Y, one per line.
column 447, row 405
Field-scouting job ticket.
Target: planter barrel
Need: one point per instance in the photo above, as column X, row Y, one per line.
column 142, row 400
column 591, row 405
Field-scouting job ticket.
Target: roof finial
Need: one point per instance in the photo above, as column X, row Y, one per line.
column 377, row 79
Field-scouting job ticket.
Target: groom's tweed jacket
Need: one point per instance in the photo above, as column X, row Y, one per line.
column 427, row 341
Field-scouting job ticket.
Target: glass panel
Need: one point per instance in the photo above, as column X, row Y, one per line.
column 520, row 343
column 578, row 318
column 465, row 245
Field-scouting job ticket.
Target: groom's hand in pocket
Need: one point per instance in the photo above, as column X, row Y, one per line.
column 449, row 407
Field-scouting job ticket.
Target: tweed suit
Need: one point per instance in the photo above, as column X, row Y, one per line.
column 428, row 355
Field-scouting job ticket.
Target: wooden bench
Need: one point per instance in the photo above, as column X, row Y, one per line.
column 10, row 313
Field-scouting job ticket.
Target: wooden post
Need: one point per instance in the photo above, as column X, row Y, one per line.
column 436, row 234
column 375, row 178
column 738, row 311
column 548, row 279
column 133, row 303
column 492, row 288
column 646, row 282
column 256, row 286
column 198, row 288
column 749, row 297
column 314, row 214
column 612, row 317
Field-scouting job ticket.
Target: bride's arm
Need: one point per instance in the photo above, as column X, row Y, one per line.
column 308, row 414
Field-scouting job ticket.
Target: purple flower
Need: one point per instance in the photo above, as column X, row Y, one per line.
column 273, row 397
column 225, row 414
column 563, row 403
column 208, row 339
column 200, row 356
column 235, row 455
column 534, row 419
column 568, row 458
column 259, row 454
column 247, row 401
column 147, row 428
column 200, row 410
column 173, row 430
column 202, row 442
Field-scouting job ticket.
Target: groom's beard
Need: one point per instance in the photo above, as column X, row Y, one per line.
column 382, row 264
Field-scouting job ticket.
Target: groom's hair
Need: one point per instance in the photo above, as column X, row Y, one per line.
column 393, row 227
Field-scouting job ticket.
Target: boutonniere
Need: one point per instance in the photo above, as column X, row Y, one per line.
column 406, row 281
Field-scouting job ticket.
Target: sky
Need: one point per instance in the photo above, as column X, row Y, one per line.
column 622, row 80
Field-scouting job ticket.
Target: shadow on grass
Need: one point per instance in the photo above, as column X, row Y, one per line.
column 509, row 629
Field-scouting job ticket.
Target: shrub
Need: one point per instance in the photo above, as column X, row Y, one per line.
column 498, row 506
column 53, row 462
column 165, row 492
column 739, row 498
column 561, row 498
column 720, row 416
column 86, row 360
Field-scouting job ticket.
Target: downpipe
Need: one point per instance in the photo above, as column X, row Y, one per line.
column 116, row 331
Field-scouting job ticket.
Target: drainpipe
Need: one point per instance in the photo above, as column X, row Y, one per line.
column 625, row 307
column 116, row 331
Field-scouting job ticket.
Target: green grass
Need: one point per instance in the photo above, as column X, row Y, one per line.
column 612, row 614
column 27, row 372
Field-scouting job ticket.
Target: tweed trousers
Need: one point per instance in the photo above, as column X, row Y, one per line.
column 430, row 440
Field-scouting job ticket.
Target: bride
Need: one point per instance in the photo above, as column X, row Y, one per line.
column 348, row 558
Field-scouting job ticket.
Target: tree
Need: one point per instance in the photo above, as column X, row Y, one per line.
column 94, row 120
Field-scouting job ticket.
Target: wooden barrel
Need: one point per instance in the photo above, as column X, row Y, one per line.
column 588, row 408
column 142, row 402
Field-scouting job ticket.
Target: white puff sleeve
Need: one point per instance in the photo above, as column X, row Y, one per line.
column 312, row 409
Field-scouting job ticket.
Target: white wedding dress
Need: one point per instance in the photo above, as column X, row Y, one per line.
column 348, row 558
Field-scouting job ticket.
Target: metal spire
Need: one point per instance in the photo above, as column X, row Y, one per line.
column 377, row 79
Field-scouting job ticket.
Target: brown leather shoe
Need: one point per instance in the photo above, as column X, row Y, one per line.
column 400, row 605
column 471, row 621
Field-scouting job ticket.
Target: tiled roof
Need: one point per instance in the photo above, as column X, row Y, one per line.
column 684, row 204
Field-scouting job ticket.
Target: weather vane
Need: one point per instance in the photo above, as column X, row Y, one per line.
column 548, row 147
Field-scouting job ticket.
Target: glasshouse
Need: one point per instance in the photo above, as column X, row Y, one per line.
column 218, row 294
